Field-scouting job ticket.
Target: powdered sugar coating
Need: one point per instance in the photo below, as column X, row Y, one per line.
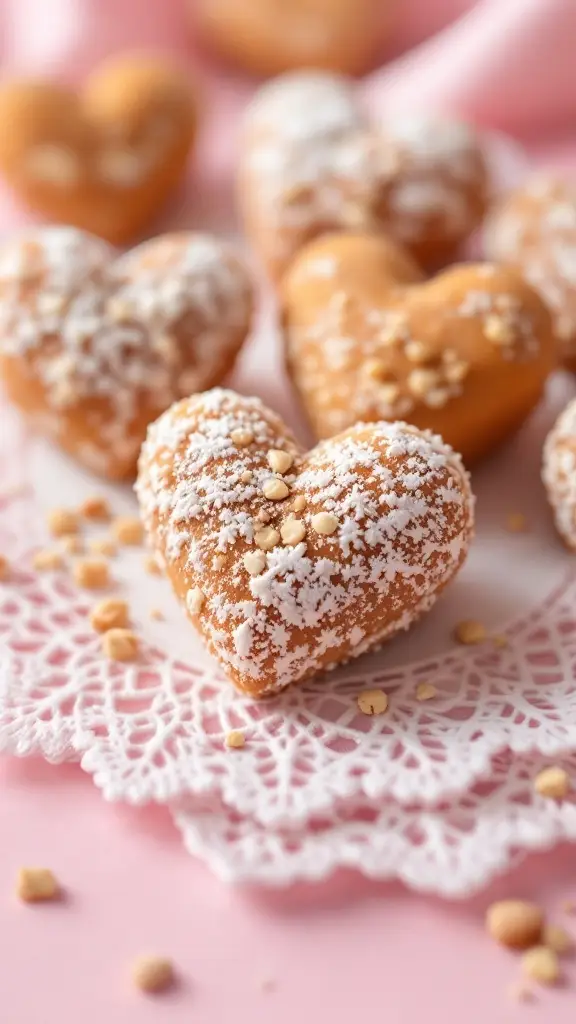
column 559, row 473
column 128, row 333
column 404, row 510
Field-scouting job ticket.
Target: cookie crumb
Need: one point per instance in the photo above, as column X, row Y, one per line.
column 541, row 964
column 4, row 568
column 275, row 490
column 235, row 739
column 103, row 546
column 151, row 566
column 47, row 560
column 279, row 461
column 109, row 614
column 557, row 939
column 120, row 645
column 553, row 783
column 128, row 530
column 324, row 523
column 62, row 522
column 36, row 884
column 153, row 973
column 372, row 702
column 95, row 507
column 516, row 522
column 91, row 573
column 470, row 631
column 425, row 691
column 157, row 615
column 72, row 545
column 516, row 924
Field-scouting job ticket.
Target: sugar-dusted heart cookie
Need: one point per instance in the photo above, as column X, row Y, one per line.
column 94, row 346
column 465, row 354
column 559, row 474
column 312, row 163
column 104, row 159
column 269, row 36
column 534, row 229
column 291, row 562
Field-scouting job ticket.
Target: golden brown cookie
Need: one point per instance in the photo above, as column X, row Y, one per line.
column 289, row 562
column 465, row 354
column 312, row 163
column 106, row 158
column 94, row 346
column 267, row 37
column 534, row 229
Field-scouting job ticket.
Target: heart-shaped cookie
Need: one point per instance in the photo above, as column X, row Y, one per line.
column 534, row 229
column 105, row 159
column 312, row 163
column 94, row 346
column 465, row 354
column 290, row 562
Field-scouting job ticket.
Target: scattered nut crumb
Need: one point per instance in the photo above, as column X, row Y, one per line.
column 541, row 964
column 469, row 631
column 516, row 522
column 46, row 560
column 246, row 476
column 557, row 939
column 109, row 614
column 499, row 640
column 151, row 565
column 242, row 438
column 218, row 562
column 279, row 461
column 372, row 702
column 153, row 974
column 95, row 507
column 128, row 530
column 103, row 546
column 254, row 562
column 267, row 538
column 235, row 739
column 120, row 645
column 498, row 330
column 62, row 522
column 553, row 783
column 425, row 691
column 72, row 545
column 91, row 573
column 195, row 600
column 263, row 516
column 515, row 923
column 4, row 568
column 275, row 490
column 157, row 614
column 36, row 884
column 324, row 523
column 293, row 531
column 299, row 503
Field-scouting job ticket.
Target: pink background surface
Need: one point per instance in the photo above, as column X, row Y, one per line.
column 350, row 947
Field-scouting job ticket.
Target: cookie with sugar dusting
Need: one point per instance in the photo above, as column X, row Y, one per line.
column 534, row 228
column 465, row 354
column 559, row 473
column 311, row 162
column 292, row 562
column 95, row 345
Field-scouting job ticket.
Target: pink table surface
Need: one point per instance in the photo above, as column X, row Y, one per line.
column 345, row 949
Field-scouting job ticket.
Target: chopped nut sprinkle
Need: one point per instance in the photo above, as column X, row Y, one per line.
column 293, row 531
column 157, row 614
column 324, row 523
column 235, row 739
column 275, row 490
column 557, row 939
column 109, row 614
column 103, row 546
column 242, row 438
column 195, row 599
column 72, row 545
column 36, row 884
column 267, row 538
column 372, row 702
column 470, row 631
column 120, row 645
column 153, row 974
column 246, row 476
column 95, row 507
column 151, row 565
column 279, row 461
column 498, row 330
column 516, row 924
column 376, row 369
column 417, row 352
column 128, row 530
column 46, row 560
column 254, row 562
column 62, row 522
column 553, row 783
column 425, row 691
column 91, row 573
column 541, row 965
column 299, row 503
column 422, row 382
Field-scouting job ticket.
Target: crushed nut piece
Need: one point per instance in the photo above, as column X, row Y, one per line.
column 275, row 490
column 293, row 531
column 299, row 503
column 46, row 560
column 62, row 522
column 557, row 939
column 235, row 739
column 263, row 516
column 4, row 568
column 425, row 691
column 95, row 507
column 516, row 522
column 279, row 461
column 456, row 372
column 72, row 545
column 417, row 352
column 515, row 923
column 372, row 702
column 470, row 631
column 103, row 546
column 389, row 393
column 324, row 523
column 267, row 538
column 153, row 974
column 498, row 330
column 376, row 369
column 109, row 614
column 254, row 562
column 128, row 530
column 553, row 783
column 120, row 645
column 91, row 573
column 151, row 565
column 541, row 964
column 36, row 884
column 218, row 562
column 246, row 476
column 242, row 438
column 157, row 614
column 437, row 398
column 195, row 599
column 422, row 382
